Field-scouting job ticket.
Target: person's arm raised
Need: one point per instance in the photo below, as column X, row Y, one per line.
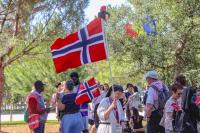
column 111, row 107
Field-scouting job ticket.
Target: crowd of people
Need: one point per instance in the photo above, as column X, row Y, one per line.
column 167, row 109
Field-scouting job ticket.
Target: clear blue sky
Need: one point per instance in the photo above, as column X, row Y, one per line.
column 94, row 7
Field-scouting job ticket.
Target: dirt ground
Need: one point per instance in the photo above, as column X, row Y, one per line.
column 50, row 128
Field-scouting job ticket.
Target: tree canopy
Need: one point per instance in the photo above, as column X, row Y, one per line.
column 28, row 32
column 172, row 51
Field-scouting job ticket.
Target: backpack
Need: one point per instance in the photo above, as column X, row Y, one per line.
column 163, row 96
column 198, row 112
column 182, row 122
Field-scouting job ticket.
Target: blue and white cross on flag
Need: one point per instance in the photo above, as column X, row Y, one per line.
column 87, row 91
column 82, row 47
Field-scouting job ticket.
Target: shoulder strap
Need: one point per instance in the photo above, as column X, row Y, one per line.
column 164, row 87
column 155, row 88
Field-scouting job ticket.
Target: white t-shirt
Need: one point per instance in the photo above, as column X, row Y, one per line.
column 169, row 109
column 134, row 100
column 90, row 111
column 75, row 90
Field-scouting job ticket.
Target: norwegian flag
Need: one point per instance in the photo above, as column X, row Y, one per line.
column 197, row 101
column 176, row 107
column 87, row 91
column 82, row 47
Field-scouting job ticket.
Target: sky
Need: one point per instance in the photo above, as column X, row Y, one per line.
column 94, row 7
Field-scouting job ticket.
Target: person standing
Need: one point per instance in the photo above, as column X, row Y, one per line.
column 129, row 88
column 194, row 89
column 60, row 91
column 110, row 112
column 105, row 89
column 188, row 106
column 197, row 102
column 134, row 99
column 75, row 78
column 53, row 98
column 83, row 107
column 152, row 109
column 172, row 104
column 91, row 116
column 95, row 103
column 36, row 108
column 71, row 122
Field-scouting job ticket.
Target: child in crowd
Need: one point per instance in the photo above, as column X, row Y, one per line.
column 135, row 120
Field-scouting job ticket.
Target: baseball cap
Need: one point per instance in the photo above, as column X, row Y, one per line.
column 74, row 74
column 151, row 74
column 38, row 84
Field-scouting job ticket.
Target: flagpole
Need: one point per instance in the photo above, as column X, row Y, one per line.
column 108, row 54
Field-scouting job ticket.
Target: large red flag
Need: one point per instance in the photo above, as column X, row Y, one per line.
column 82, row 47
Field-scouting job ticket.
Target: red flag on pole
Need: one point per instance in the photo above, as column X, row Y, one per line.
column 82, row 47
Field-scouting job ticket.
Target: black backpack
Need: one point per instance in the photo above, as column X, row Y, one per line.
column 198, row 112
column 182, row 122
column 185, row 121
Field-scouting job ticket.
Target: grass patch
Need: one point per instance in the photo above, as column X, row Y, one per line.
column 23, row 123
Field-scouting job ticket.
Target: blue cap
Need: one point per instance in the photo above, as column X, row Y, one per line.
column 151, row 74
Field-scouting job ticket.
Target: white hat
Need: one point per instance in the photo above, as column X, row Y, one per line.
column 151, row 74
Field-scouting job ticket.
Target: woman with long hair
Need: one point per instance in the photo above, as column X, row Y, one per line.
column 134, row 99
column 135, row 120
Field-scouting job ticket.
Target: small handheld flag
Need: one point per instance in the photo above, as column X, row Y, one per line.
column 87, row 91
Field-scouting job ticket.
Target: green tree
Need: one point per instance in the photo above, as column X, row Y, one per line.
column 174, row 50
column 27, row 26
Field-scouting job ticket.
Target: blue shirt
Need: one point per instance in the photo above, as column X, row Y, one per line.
column 69, row 101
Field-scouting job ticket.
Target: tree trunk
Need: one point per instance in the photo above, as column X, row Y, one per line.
column 2, row 82
column 178, row 59
column 178, row 66
column 11, row 112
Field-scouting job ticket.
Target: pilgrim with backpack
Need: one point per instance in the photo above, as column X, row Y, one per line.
column 157, row 96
